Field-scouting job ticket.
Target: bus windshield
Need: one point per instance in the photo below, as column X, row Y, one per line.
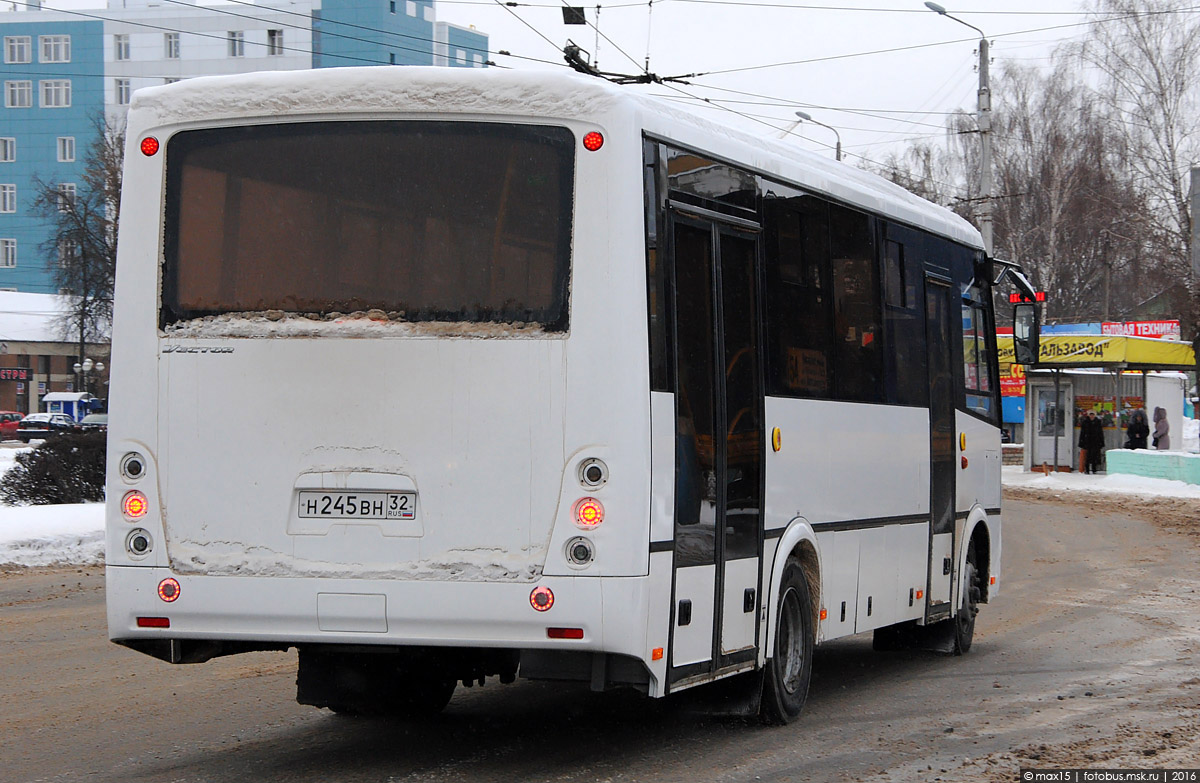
column 427, row 221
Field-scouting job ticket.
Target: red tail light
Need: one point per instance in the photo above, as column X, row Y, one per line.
column 541, row 599
column 154, row 622
column 168, row 589
column 134, row 505
column 564, row 633
column 589, row 513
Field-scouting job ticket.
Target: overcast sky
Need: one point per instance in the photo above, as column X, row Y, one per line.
column 880, row 71
column 895, row 95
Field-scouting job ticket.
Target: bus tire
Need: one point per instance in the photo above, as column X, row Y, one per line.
column 789, row 669
column 964, row 624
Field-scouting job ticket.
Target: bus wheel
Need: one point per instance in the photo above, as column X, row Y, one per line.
column 964, row 625
column 789, row 669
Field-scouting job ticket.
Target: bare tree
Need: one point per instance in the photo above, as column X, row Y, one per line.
column 1148, row 55
column 81, row 252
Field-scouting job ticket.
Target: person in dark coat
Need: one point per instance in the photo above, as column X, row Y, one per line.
column 1091, row 440
column 1137, row 430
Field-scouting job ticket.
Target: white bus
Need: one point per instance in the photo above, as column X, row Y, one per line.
column 436, row 375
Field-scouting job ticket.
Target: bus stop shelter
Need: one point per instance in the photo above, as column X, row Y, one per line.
column 1106, row 373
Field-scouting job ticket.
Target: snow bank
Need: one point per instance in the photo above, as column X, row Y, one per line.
column 1118, row 483
column 49, row 535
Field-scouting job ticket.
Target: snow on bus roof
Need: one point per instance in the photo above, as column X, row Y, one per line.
column 532, row 94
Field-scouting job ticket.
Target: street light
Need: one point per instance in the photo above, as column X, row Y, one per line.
column 83, row 371
column 985, row 130
column 805, row 116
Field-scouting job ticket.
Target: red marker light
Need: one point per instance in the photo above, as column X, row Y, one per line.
column 168, row 589
column 541, row 599
column 149, row 146
column 564, row 633
column 134, row 505
column 588, row 513
column 593, row 141
column 154, row 622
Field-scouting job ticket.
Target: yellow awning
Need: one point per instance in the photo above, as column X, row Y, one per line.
column 1106, row 351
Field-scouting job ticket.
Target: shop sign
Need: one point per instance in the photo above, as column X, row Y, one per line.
column 14, row 373
column 1159, row 329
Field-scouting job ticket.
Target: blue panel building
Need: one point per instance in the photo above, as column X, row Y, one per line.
column 60, row 71
column 52, row 78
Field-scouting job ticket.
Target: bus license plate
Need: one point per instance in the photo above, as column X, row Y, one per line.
column 358, row 505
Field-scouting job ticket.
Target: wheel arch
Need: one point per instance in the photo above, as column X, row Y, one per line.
column 979, row 533
column 799, row 541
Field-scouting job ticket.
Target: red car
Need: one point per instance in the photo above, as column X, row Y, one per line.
column 8, row 424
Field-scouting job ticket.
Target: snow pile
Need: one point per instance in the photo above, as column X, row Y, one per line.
column 1191, row 435
column 1117, row 483
column 49, row 535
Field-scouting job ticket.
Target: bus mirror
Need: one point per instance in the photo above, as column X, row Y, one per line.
column 1025, row 334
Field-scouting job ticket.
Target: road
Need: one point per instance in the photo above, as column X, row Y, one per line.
column 1088, row 659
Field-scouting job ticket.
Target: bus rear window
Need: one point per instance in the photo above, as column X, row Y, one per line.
column 426, row 221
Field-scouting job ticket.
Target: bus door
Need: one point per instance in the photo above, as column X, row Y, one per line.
column 718, row 443
column 943, row 445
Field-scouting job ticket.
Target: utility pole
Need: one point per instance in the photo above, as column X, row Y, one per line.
column 985, row 146
column 984, row 118
column 1196, row 225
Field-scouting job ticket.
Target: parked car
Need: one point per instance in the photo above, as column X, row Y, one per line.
column 39, row 426
column 9, row 421
column 94, row 422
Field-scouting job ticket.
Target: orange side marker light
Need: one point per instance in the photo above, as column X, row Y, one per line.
column 992, row 581
column 824, row 613
column 656, row 654
column 920, row 594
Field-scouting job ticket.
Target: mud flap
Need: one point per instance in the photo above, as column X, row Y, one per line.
column 938, row 637
column 739, row 696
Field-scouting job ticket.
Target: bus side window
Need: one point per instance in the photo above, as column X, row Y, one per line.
column 904, row 318
column 858, row 333
column 798, row 301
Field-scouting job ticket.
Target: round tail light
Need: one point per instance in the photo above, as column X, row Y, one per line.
column 168, row 589
column 541, row 599
column 589, row 513
column 134, row 505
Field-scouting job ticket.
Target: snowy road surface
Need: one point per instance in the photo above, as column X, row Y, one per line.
column 1087, row 659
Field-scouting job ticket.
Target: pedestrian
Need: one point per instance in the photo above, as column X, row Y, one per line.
column 1091, row 441
column 1137, row 430
column 1162, row 438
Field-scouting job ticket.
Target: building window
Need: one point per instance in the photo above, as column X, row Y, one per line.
column 18, row 49
column 460, row 57
column 274, row 42
column 66, row 195
column 237, row 43
column 121, row 47
column 8, row 252
column 67, row 251
column 170, row 80
column 8, row 150
column 55, row 48
column 56, row 93
column 427, row 12
column 410, row 8
column 477, row 61
column 121, row 91
column 66, row 149
column 8, row 198
column 171, row 46
column 391, row 58
column 18, row 95
column 392, row 6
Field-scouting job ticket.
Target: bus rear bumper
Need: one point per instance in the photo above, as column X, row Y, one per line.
column 609, row 614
